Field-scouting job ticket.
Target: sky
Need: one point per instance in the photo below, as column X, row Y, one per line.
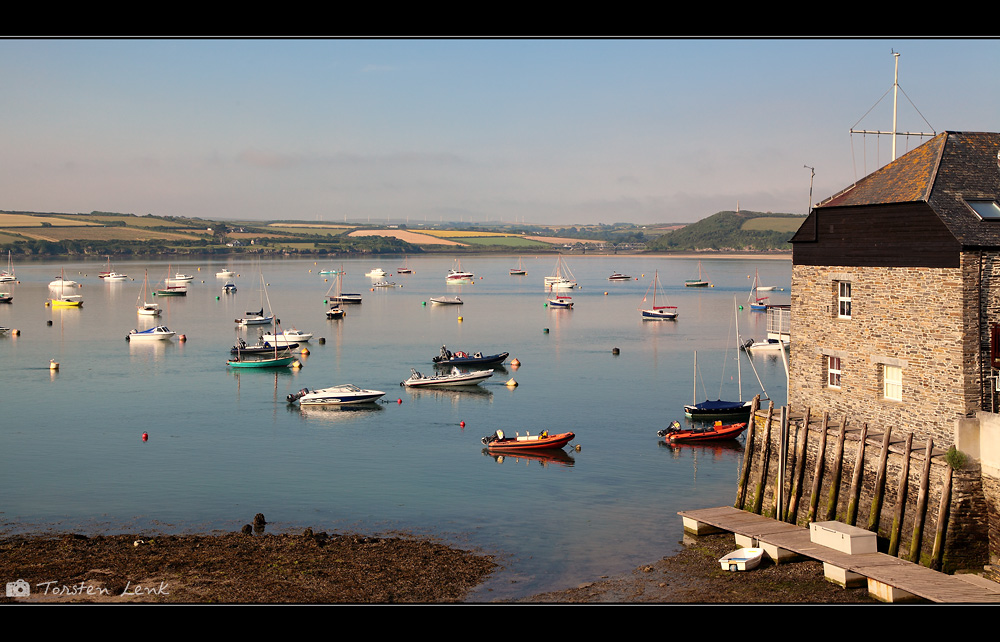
column 536, row 131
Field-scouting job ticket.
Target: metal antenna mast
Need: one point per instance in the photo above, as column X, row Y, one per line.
column 894, row 133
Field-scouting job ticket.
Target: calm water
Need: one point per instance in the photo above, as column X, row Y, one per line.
column 224, row 445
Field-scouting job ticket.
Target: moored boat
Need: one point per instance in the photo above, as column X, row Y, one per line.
column 6, row 276
column 700, row 282
column 499, row 441
column 261, row 347
column 742, row 559
column 457, row 275
column 519, row 270
column 561, row 302
column 561, row 279
column 715, row 432
column 449, row 358
column 6, row 297
column 657, row 312
column 229, row 287
column 286, row 337
column 617, row 276
column 281, row 359
column 224, row 273
column 446, row 300
column 256, row 318
column 453, row 379
column 159, row 333
column 342, row 395
column 376, row 272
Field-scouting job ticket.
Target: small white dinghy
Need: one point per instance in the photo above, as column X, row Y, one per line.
column 742, row 559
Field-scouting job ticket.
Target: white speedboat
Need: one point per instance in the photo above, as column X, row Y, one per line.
column 224, row 273
column 446, row 300
column 342, row 395
column 376, row 272
column 450, row 380
column 159, row 333
column 457, row 275
column 59, row 283
column 181, row 278
column 286, row 337
column 384, row 284
column 115, row 276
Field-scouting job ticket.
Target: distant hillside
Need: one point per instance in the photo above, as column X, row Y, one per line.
column 733, row 231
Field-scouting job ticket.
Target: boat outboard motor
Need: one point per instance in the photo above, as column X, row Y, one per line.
column 295, row 396
column 673, row 427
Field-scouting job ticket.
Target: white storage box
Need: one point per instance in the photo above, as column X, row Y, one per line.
column 843, row 537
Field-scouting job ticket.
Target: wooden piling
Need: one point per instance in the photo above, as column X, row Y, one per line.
column 800, row 464
column 918, row 520
column 758, row 501
column 818, row 472
column 875, row 516
column 942, row 521
column 904, row 479
column 859, row 467
column 838, row 460
column 748, row 450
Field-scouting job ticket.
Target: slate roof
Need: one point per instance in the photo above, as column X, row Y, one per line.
column 944, row 172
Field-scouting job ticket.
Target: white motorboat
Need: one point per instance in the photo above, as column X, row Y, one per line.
column 115, row 276
column 742, row 559
column 446, row 300
column 452, row 379
column 224, row 273
column 376, row 272
column 766, row 345
column 286, row 337
column 457, row 275
column 181, row 278
column 384, row 284
column 159, row 333
column 229, row 287
column 342, row 395
column 60, row 282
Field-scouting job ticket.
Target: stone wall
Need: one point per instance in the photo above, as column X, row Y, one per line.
column 917, row 319
column 965, row 512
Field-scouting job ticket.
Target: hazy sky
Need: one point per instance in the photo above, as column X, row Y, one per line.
column 544, row 131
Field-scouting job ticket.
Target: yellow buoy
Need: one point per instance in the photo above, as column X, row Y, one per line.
column 514, row 363
column 511, row 383
column 53, row 364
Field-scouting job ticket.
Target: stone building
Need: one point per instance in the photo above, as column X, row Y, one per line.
column 896, row 302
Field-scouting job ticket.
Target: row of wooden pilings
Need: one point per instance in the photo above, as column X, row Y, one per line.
column 788, row 485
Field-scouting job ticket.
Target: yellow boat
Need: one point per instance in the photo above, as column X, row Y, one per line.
column 68, row 301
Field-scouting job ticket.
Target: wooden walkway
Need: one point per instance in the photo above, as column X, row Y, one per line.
column 914, row 579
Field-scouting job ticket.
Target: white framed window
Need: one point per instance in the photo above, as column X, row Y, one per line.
column 892, row 383
column 844, row 299
column 833, row 372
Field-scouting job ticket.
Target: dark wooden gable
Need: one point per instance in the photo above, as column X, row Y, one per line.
column 910, row 213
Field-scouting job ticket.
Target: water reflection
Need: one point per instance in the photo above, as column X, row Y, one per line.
column 556, row 456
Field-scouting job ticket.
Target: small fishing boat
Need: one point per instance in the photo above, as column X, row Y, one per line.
column 261, row 347
column 449, row 358
column 115, row 276
column 6, row 297
column 617, row 276
column 286, row 337
column 453, row 379
column 181, row 278
column 717, row 431
column 561, row 302
column 376, row 272
column 342, row 395
column 384, row 284
column 742, row 559
column 519, row 270
column 277, row 359
column 224, row 273
column 499, row 441
column 336, row 312
column 446, row 300
column 255, row 318
column 657, row 312
column 159, row 333
column 229, row 287
column 700, row 282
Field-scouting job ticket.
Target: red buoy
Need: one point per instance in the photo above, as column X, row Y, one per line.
column 145, row 436
column 462, row 424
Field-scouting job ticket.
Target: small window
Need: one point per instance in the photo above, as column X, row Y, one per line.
column 892, row 382
column 986, row 210
column 833, row 372
column 844, row 299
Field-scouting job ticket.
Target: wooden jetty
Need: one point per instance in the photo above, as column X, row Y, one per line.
column 889, row 578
